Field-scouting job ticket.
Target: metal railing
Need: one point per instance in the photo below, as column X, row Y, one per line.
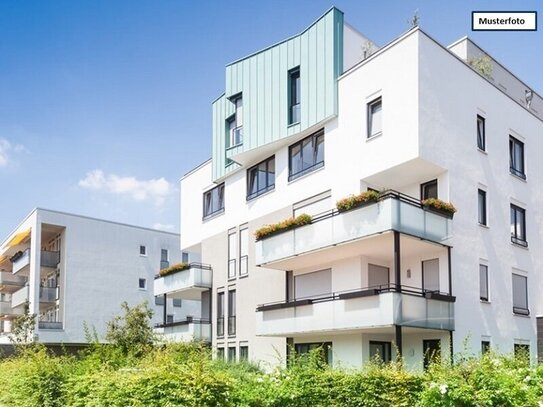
column 243, row 265
column 232, row 268
column 185, row 321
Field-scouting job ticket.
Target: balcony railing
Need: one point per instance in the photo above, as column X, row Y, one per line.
column 393, row 211
column 6, row 309
column 47, row 259
column 357, row 310
column 47, row 295
column 197, row 278
column 189, row 329
column 49, row 325
column 9, row 282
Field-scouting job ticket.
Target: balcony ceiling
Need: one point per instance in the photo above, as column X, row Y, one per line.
column 411, row 172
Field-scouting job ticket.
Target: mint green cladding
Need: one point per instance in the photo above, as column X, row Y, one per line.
column 262, row 79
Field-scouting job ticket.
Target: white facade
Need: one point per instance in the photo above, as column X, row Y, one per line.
column 76, row 270
column 431, row 99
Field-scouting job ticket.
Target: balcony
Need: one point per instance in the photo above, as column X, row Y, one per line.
column 21, row 262
column 10, row 283
column 5, row 309
column 185, row 284
column 393, row 212
column 47, row 295
column 359, row 310
column 186, row 330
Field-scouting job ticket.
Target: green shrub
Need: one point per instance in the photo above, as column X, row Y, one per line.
column 283, row 226
column 174, row 268
column 355, row 201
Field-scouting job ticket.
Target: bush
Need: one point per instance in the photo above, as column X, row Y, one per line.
column 174, row 269
column 283, row 226
column 440, row 205
column 355, row 201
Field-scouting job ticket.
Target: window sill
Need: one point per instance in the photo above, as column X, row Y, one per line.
column 212, row 215
column 293, row 124
column 520, row 246
column 243, row 276
column 519, row 177
column 482, row 151
column 313, row 171
column 374, row 136
column 485, row 302
column 516, row 314
column 231, row 279
column 234, row 146
column 484, row 226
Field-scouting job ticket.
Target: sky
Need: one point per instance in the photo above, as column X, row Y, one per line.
column 104, row 105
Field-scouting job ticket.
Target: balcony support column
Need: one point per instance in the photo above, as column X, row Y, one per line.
column 165, row 309
column 34, row 271
column 398, row 341
column 450, row 268
column 397, row 264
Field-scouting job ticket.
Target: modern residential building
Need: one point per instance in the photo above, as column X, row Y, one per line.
column 75, row 270
column 325, row 115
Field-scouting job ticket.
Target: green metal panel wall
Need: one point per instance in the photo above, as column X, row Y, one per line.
column 263, row 80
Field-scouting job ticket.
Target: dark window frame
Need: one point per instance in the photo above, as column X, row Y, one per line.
column 243, row 353
column 294, row 94
column 220, row 314
column 387, row 346
column 369, row 116
column 518, row 236
column 243, row 258
column 425, row 185
column 481, row 297
column 325, row 346
column 220, row 209
column 515, row 168
column 231, row 355
column 485, row 347
column 232, row 312
column 269, row 186
column 315, row 164
column 482, row 211
column 481, row 133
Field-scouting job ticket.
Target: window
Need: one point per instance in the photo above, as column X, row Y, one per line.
column 184, row 257
column 294, row 96
column 169, row 319
column 481, row 138
column 220, row 353
column 235, row 123
column 177, row 302
column 243, row 353
column 431, row 349
column 483, row 282
column 164, row 263
column 520, row 295
column 159, row 300
column 243, row 251
column 143, row 250
column 378, row 276
column 220, row 314
column 313, row 285
column 430, row 275
column 518, row 225
column 261, row 178
column 306, row 155
column 324, row 349
column 516, row 157
column 380, row 351
column 142, row 284
column 428, row 190
column 231, row 312
column 231, row 353
column 232, row 254
column 482, row 206
column 214, row 201
column 485, row 347
column 522, row 350
column 375, row 120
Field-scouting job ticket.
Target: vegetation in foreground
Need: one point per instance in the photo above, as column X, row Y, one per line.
column 136, row 371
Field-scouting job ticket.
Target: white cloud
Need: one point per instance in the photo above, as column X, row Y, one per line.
column 162, row 226
column 156, row 190
column 5, row 149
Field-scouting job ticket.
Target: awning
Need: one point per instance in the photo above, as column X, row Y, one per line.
column 19, row 238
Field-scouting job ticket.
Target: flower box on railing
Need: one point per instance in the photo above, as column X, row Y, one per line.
column 357, row 201
column 440, row 207
column 283, row 226
column 174, row 268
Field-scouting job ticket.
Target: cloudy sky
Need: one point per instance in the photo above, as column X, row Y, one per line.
column 104, row 105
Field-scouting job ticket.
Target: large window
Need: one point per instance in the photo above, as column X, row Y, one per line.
column 481, row 197
column 485, row 347
column 375, row 120
column 324, row 349
column 516, row 157
column 483, row 282
column 214, row 201
column 235, row 123
column 243, row 353
column 220, row 314
column 428, row 190
column 243, row 251
column 481, row 137
column 231, row 312
column 232, row 254
column 518, row 225
column 231, row 353
column 306, row 155
column 520, row 294
column 261, row 178
column 294, row 96
column 380, row 351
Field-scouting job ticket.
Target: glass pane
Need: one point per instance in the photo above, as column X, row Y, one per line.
column 319, row 149
column 513, row 221
column 239, row 112
column 520, row 224
column 244, row 242
column 375, row 118
column 221, row 197
column 430, row 275
column 483, row 282
column 482, row 207
column 307, row 153
column 232, row 246
column 253, row 181
column 480, row 133
column 220, row 305
column 271, row 172
column 295, row 159
column 262, row 176
column 231, row 303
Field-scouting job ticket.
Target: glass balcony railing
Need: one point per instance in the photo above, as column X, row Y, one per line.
column 196, row 278
column 47, row 295
column 186, row 330
column 358, row 310
column 47, row 259
column 394, row 211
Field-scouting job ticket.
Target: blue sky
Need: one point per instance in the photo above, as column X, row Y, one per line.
column 104, row 105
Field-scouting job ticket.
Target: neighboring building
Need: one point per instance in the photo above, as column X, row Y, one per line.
column 76, row 270
column 326, row 114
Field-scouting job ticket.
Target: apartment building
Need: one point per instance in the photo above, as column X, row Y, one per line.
column 325, row 115
column 75, row 270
